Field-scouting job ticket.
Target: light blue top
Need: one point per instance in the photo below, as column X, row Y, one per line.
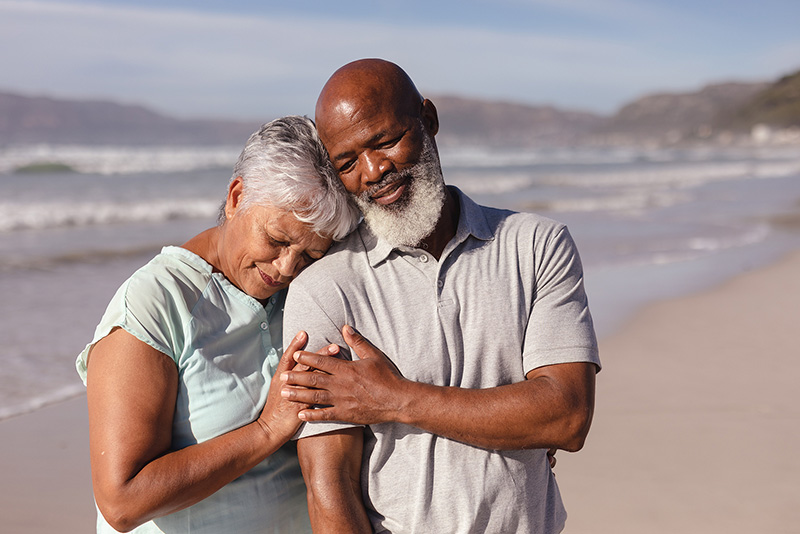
column 226, row 346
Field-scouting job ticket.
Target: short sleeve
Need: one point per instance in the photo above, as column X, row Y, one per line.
column 560, row 328
column 145, row 307
column 321, row 316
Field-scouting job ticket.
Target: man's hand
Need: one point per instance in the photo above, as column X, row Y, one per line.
column 365, row 391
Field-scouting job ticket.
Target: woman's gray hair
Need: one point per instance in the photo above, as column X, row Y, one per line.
column 285, row 165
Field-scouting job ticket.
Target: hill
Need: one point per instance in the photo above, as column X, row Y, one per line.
column 777, row 105
column 25, row 120
column 722, row 111
column 471, row 121
column 674, row 117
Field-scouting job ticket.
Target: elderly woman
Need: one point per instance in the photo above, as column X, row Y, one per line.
column 188, row 431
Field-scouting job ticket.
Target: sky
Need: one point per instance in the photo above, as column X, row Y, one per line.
column 242, row 59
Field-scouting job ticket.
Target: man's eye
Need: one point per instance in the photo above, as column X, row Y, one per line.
column 390, row 143
column 346, row 167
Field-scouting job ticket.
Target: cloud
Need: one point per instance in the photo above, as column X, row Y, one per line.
column 192, row 63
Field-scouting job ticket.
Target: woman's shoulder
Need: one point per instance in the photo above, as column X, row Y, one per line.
column 174, row 272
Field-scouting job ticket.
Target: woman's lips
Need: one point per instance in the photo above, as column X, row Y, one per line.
column 268, row 280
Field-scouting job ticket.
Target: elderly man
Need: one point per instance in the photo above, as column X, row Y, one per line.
column 481, row 352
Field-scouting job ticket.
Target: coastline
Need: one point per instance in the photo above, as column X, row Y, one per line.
column 695, row 425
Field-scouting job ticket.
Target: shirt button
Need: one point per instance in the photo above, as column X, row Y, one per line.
column 423, row 258
column 264, row 326
column 440, row 283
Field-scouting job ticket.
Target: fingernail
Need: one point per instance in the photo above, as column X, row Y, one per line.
column 349, row 329
column 296, row 355
column 299, row 336
column 285, row 393
column 284, row 377
column 301, row 416
column 333, row 349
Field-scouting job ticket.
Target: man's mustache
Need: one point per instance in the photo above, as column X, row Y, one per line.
column 388, row 179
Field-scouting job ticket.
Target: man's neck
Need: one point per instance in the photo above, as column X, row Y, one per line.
column 446, row 227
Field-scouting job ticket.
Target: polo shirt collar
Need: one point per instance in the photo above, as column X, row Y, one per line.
column 471, row 221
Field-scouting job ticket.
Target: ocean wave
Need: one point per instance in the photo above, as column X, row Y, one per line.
column 751, row 236
column 628, row 202
column 683, row 175
column 486, row 157
column 12, row 408
column 493, row 184
column 119, row 160
column 43, row 215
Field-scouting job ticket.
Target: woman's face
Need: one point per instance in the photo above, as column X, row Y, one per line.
column 263, row 248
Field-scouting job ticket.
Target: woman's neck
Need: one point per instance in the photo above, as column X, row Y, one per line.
column 206, row 245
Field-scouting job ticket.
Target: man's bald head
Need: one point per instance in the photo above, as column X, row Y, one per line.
column 367, row 85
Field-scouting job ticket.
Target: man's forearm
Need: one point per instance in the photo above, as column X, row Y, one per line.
column 550, row 410
column 331, row 465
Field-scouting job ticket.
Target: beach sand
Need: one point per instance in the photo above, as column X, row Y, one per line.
column 46, row 484
column 696, row 428
column 697, row 421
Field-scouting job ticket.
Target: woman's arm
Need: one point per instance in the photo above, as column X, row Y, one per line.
column 131, row 392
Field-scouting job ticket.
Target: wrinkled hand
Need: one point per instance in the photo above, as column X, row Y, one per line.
column 364, row 391
column 279, row 417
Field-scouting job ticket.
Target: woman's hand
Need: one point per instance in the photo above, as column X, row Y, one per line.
column 363, row 391
column 279, row 417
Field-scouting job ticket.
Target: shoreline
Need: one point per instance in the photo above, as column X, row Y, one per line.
column 695, row 425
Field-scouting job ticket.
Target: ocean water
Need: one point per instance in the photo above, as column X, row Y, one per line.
column 649, row 224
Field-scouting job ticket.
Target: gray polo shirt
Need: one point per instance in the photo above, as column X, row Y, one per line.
column 506, row 297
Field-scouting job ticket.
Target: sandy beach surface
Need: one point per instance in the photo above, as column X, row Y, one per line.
column 696, row 430
column 697, row 422
column 46, row 484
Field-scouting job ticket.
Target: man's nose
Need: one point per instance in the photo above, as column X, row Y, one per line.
column 375, row 167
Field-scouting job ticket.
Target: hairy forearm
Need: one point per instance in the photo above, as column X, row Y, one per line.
column 538, row 413
column 129, row 496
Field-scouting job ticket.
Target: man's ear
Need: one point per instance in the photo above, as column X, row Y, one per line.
column 234, row 199
column 430, row 118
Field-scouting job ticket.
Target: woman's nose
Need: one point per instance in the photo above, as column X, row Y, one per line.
column 287, row 263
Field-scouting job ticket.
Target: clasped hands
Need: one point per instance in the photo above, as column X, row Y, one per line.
column 363, row 391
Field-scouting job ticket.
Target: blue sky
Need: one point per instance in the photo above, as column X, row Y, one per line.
column 246, row 59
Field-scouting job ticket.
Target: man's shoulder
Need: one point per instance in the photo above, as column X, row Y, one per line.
column 509, row 224
column 340, row 261
column 501, row 221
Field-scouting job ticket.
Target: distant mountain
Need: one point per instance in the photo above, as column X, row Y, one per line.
column 26, row 119
column 674, row 117
column 777, row 105
column 713, row 113
column 472, row 121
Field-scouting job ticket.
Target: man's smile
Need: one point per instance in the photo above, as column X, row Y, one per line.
column 390, row 193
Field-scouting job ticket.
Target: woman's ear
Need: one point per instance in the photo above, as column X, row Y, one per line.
column 430, row 117
column 234, row 199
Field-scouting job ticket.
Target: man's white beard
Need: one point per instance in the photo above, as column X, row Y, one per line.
column 411, row 219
